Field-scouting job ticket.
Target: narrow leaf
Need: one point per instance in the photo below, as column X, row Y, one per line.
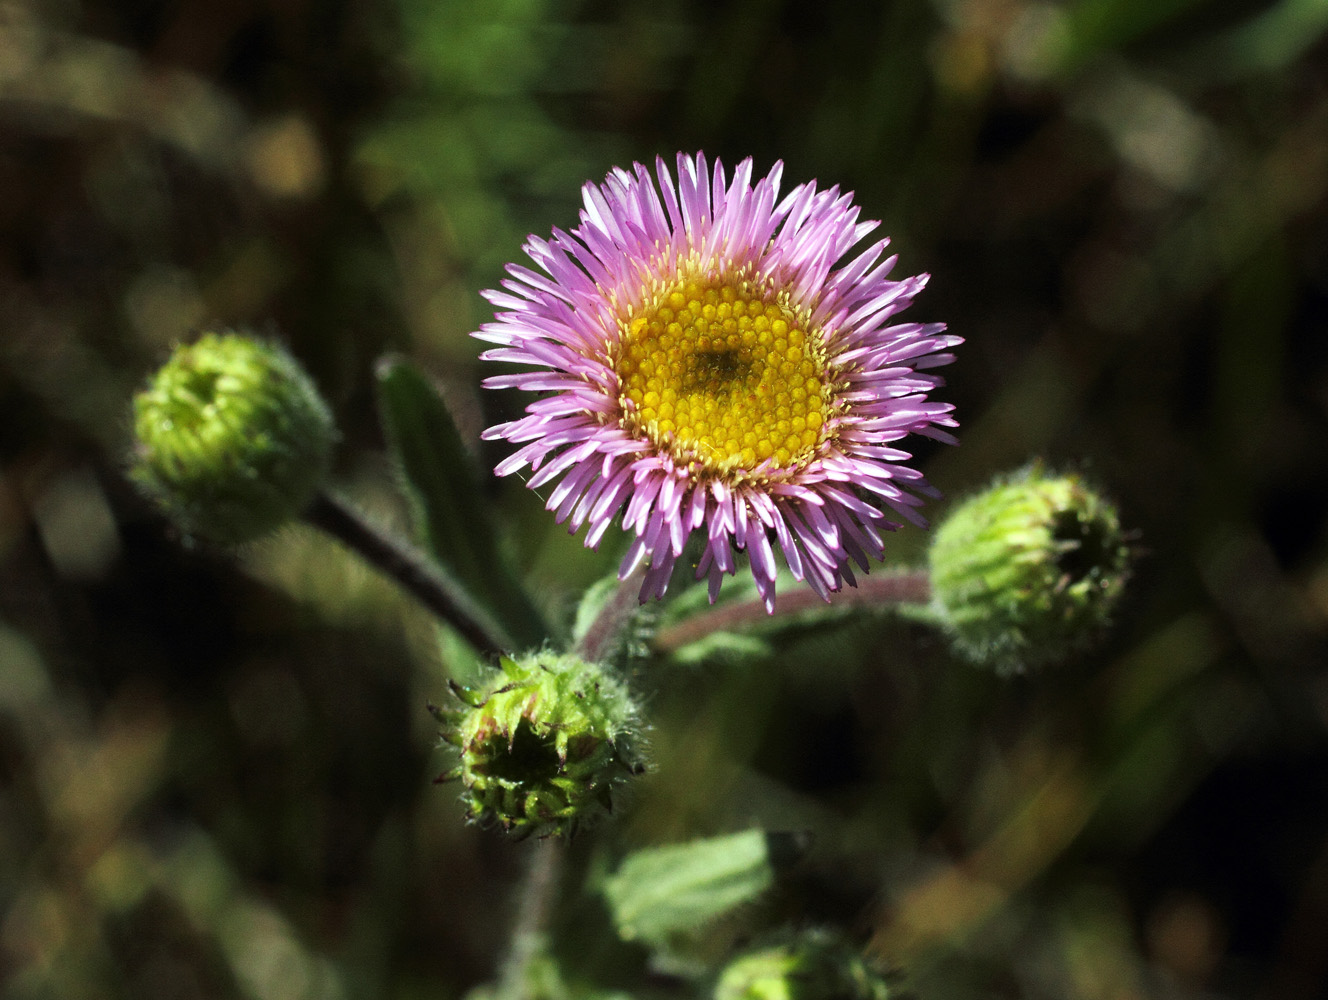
column 446, row 503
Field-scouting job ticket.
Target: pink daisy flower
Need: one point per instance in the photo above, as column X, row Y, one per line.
column 708, row 366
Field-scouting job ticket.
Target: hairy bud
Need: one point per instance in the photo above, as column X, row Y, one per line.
column 232, row 438
column 543, row 744
column 1028, row 571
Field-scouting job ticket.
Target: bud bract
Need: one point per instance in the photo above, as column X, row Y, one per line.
column 1028, row 571
column 232, row 437
column 543, row 743
column 808, row 965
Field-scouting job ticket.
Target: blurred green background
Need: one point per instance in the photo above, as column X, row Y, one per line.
column 215, row 769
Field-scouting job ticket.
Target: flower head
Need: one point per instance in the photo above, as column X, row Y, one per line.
column 709, row 367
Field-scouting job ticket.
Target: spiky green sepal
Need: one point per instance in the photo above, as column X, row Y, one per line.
column 1028, row 571
column 233, row 438
column 544, row 744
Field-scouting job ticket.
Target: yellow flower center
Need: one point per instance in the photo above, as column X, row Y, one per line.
column 724, row 377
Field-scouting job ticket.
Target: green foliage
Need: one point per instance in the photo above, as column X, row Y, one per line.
column 806, row 965
column 660, row 895
column 473, row 146
column 448, row 505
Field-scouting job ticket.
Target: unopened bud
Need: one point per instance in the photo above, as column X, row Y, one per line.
column 232, row 438
column 1028, row 571
column 543, row 744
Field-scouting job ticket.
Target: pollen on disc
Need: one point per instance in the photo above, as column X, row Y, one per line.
column 717, row 374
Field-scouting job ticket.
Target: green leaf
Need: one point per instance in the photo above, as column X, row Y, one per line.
column 446, row 503
column 662, row 893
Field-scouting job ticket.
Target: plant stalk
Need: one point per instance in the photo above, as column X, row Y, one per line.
column 617, row 611
column 901, row 587
column 410, row 569
column 530, row 931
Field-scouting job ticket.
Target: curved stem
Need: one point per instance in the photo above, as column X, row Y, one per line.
column 409, row 568
column 901, row 587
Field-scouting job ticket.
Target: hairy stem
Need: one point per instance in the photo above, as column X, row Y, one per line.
column 617, row 611
column 899, row 587
column 411, row 569
column 535, row 908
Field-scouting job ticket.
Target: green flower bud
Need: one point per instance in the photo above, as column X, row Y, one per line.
column 543, row 744
column 232, row 438
column 808, row 965
column 1028, row 571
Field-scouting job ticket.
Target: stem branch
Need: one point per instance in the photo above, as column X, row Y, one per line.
column 409, row 568
column 902, row 587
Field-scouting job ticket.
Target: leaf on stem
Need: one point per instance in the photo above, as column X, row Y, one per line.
column 446, row 502
column 662, row 893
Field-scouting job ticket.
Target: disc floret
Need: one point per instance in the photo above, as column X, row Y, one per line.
column 726, row 377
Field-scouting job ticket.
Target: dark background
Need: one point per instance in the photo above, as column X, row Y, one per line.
column 214, row 767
